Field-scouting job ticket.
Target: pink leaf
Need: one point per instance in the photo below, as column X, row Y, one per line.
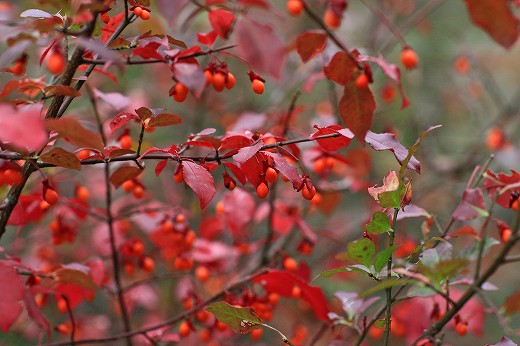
column 246, row 153
column 11, row 291
column 35, row 313
column 284, row 167
column 192, row 76
column 387, row 141
column 221, row 21
column 330, row 144
column 200, row 181
column 32, row 135
column 472, row 206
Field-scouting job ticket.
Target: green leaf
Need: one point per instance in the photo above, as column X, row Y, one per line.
column 382, row 258
column 420, row 291
column 391, row 199
column 241, row 320
column 362, row 251
column 386, row 284
column 379, row 323
column 355, row 268
column 378, row 224
column 413, row 149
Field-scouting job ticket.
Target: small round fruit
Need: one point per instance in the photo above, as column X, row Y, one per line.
column 290, row 264
column 409, row 58
column 181, row 92
column 202, row 273
column 145, row 15
column 461, row 328
column 307, row 193
column 138, row 192
column 184, row 329
column 56, row 63
column 505, row 235
column 495, row 138
column 231, row 81
column 258, row 86
column 262, row 190
column 296, row 292
column 51, row 196
column 271, row 175
column 219, row 81
column 128, row 185
column 82, row 193
column 362, row 81
column 294, row 7
column 256, row 334
column 148, row 264
column 209, row 77
column 83, row 154
column 18, row 68
column 62, row 305
column 331, row 19
column 320, row 165
column 273, row 298
column 125, row 142
column 138, row 11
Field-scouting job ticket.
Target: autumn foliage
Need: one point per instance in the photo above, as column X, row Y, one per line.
column 228, row 172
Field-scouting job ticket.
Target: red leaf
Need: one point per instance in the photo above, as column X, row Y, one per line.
column 35, row 313
column 192, row 76
column 496, row 182
column 235, row 142
column 63, row 90
column 284, row 167
column 165, row 119
column 252, row 38
column 207, row 39
column 472, row 205
column 11, row 291
column 123, row 174
column 387, row 141
column 221, row 21
column 310, row 43
column 111, row 26
column 238, row 199
column 236, row 172
column 330, row 144
column 496, row 18
column 340, row 68
column 32, row 135
column 392, row 72
column 253, row 168
column 282, row 282
column 26, row 210
column 121, row 119
column 356, row 108
column 246, row 153
column 148, row 52
column 200, row 181
column 61, row 158
column 160, row 167
column 75, row 133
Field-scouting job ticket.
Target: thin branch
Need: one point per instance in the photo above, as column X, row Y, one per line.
column 483, row 234
column 389, row 299
column 171, row 321
column 384, row 19
column 71, row 317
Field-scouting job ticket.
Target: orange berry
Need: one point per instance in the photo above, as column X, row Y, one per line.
column 495, row 138
column 138, row 191
column 51, row 196
column 271, row 175
column 209, row 77
column 61, row 305
column 44, row 205
column 181, row 92
column 409, row 58
column 83, row 154
column 128, row 185
column 219, row 81
column 219, row 207
column 256, row 334
column 462, row 65
column 202, row 273
column 138, row 11
column 230, row 185
column 221, row 326
column 294, row 7
column 148, row 264
column 317, row 199
column 125, row 142
column 231, row 81
column 273, row 298
column 362, row 81
column 12, row 177
column 461, row 328
column 18, row 68
column 262, row 190
column 187, row 303
column 178, row 176
column 39, row 298
column 167, row 226
column 505, row 235
column 320, row 165
column 515, row 204
column 330, row 162
column 56, row 63
column 189, row 239
column 388, row 93
column 202, row 316
column 179, row 218
column 205, row 334
column 145, row 15
column 63, row 329
column 184, row 329
column 258, row 86
column 307, row 193
column 105, row 17
column 290, row 264
column 376, row 333
column 82, row 193
column 296, row 292
column 138, row 248
column 398, row 328
column 331, row 19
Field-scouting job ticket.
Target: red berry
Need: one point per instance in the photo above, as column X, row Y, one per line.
column 307, row 193
column 256, row 334
column 18, row 68
column 230, row 83
column 181, row 92
column 505, row 235
column 202, row 273
column 219, row 81
column 294, row 7
column 56, row 63
column 331, row 19
column 148, row 264
column 258, row 86
column 138, row 11
column 461, row 328
column 271, row 175
column 145, row 15
column 362, row 81
column 409, row 58
column 184, row 329
column 125, row 142
column 128, row 185
column 50, row 196
column 105, row 17
column 82, row 193
column 262, row 190
column 138, row 192
column 290, row 264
